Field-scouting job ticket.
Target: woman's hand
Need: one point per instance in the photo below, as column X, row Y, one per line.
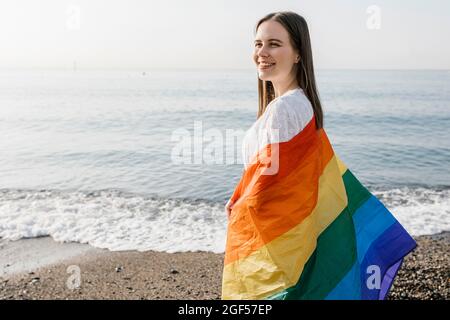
column 228, row 207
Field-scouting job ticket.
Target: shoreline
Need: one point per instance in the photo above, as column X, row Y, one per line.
column 40, row 268
column 30, row 254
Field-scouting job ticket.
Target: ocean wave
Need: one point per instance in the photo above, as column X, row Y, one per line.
column 113, row 220
column 420, row 210
column 117, row 220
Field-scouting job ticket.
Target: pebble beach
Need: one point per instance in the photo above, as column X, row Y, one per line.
column 424, row 275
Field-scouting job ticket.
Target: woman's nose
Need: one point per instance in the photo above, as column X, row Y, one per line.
column 262, row 52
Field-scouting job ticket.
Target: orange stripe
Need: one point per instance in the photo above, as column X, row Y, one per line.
column 270, row 205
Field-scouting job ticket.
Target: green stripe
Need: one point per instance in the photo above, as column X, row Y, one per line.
column 357, row 194
column 335, row 252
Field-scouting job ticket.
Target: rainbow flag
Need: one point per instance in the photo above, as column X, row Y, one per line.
column 309, row 231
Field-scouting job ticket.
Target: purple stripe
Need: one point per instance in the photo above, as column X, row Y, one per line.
column 388, row 279
column 385, row 254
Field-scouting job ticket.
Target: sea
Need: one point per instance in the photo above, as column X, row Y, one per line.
column 146, row 159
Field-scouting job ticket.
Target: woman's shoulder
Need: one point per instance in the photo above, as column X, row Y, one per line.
column 293, row 104
column 289, row 114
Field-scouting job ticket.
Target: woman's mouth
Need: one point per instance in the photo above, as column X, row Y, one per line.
column 265, row 66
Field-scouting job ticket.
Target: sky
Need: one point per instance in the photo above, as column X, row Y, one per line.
column 218, row 34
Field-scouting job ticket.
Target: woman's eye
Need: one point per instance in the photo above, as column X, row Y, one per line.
column 272, row 45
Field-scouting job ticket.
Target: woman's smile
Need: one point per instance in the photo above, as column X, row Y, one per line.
column 265, row 65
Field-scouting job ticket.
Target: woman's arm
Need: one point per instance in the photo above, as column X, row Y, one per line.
column 234, row 197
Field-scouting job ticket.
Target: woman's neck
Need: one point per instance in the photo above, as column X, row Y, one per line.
column 282, row 88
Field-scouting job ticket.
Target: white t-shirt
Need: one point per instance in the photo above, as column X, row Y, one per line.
column 284, row 117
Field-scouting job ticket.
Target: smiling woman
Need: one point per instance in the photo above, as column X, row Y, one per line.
column 284, row 60
column 301, row 225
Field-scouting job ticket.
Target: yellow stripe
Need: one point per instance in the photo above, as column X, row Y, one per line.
column 342, row 166
column 279, row 264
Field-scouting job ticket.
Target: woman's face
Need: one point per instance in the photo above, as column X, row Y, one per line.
column 274, row 55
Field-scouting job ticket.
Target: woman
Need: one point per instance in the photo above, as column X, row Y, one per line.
column 301, row 226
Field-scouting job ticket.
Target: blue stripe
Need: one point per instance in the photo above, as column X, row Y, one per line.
column 349, row 288
column 370, row 220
